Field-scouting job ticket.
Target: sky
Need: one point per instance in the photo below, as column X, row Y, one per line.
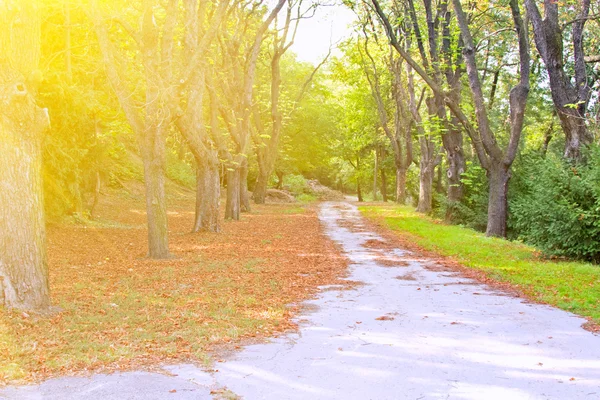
column 329, row 25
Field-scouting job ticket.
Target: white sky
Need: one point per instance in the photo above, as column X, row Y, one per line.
column 329, row 25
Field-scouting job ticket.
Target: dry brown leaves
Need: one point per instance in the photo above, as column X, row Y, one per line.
column 124, row 311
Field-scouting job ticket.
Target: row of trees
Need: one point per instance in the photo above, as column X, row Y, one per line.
column 198, row 80
column 451, row 83
column 434, row 101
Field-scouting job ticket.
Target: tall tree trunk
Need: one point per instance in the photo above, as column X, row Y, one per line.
column 499, row 175
column 156, row 209
column 439, row 187
column 359, row 191
column 232, row 206
column 23, row 268
column 376, row 166
column 260, row 187
column 208, row 193
column 427, row 167
column 453, row 146
column 384, row 185
column 244, row 197
column 400, row 185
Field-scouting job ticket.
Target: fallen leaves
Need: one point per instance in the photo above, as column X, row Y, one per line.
column 123, row 311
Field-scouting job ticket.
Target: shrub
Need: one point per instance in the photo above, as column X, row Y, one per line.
column 557, row 206
column 472, row 210
column 296, row 185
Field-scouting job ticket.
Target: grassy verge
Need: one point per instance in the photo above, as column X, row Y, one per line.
column 120, row 310
column 572, row 286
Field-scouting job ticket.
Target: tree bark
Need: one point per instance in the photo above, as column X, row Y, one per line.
column 208, row 197
column 260, row 188
column 359, row 191
column 375, row 168
column 499, row 176
column 156, row 208
column 400, row 185
column 425, row 186
column 232, row 206
column 571, row 101
column 244, row 197
column 23, row 266
column 384, row 186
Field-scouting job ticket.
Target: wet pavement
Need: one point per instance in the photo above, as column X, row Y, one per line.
column 408, row 331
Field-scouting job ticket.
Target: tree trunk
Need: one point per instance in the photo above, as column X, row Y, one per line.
column 358, row 191
column 260, row 187
column 375, row 177
column 232, row 206
column 383, row 185
column 244, row 198
column 439, row 186
column 570, row 96
column 453, row 145
column 576, row 133
column 208, row 192
column 279, row 180
column 400, row 185
column 96, row 194
column 156, row 209
column 23, row 267
column 425, row 187
column 499, row 176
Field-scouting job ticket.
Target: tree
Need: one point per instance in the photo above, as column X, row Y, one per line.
column 571, row 99
column 240, row 48
column 150, row 112
column 400, row 134
column 23, row 268
column 267, row 145
column 191, row 123
column 493, row 159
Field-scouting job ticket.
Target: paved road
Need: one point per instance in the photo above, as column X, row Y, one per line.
column 408, row 332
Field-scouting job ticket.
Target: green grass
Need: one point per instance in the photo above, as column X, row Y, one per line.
column 572, row 286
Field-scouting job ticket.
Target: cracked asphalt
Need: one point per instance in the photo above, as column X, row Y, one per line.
column 407, row 332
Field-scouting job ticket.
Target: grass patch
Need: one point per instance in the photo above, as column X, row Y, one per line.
column 572, row 286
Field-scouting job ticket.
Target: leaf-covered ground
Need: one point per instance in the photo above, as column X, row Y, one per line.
column 121, row 310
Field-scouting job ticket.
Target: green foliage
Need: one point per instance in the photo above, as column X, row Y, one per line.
column 180, row 171
column 557, row 205
column 472, row 210
column 296, row 185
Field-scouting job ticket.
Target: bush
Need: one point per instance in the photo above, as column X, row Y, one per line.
column 472, row 210
column 557, row 206
column 296, row 185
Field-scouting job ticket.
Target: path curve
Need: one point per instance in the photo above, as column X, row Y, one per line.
column 408, row 331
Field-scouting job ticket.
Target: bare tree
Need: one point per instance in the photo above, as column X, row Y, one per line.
column 23, row 267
